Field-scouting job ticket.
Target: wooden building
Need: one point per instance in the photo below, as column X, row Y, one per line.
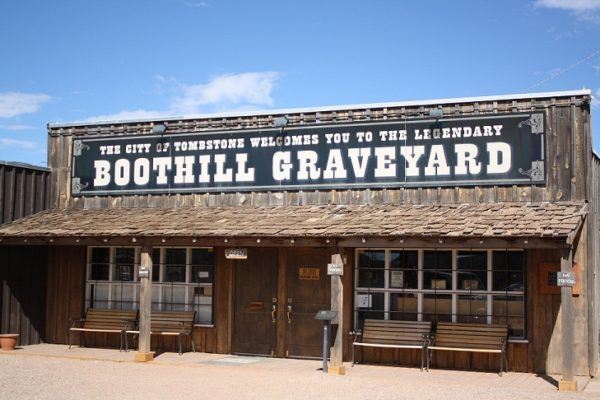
column 458, row 210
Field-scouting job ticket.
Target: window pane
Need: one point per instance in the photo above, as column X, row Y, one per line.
column 437, row 307
column 508, row 271
column 123, row 272
column 100, row 255
column 174, row 273
column 203, row 257
column 98, row 296
column 369, row 306
column 371, row 269
column 175, row 265
column 510, row 310
column 100, row 263
column 472, row 270
column 404, row 266
column 155, row 265
column 175, row 256
column 202, row 303
column 174, row 298
column 99, row 272
column 472, row 309
column 403, row 306
column 437, row 267
column 125, row 256
column 122, row 296
column 203, row 265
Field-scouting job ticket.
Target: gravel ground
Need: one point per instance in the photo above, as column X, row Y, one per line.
column 41, row 377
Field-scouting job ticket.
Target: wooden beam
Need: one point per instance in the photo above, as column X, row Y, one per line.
column 337, row 304
column 567, row 383
column 144, row 353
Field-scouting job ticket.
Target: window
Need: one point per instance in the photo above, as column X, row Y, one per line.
column 472, row 286
column 182, row 279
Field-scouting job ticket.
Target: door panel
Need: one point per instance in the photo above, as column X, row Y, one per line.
column 307, row 291
column 255, row 289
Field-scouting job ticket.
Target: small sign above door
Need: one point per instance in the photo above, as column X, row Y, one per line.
column 309, row 274
column 236, row 254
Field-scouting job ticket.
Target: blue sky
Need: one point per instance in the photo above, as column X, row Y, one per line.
column 65, row 61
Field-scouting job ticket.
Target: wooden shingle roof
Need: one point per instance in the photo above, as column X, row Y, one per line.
column 502, row 220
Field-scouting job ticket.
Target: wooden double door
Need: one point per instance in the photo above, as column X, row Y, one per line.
column 277, row 292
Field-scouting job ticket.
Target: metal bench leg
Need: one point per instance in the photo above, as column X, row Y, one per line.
column 120, row 341
column 429, row 354
column 422, row 358
column 353, row 349
column 70, row 333
column 192, row 343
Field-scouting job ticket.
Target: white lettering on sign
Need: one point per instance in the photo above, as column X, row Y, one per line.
column 335, row 269
column 413, row 152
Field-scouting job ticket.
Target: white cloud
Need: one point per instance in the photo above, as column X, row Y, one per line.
column 17, row 127
column 596, row 99
column 195, row 3
column 16, row 103
column 126, row 115
column 585, row 10
column 571, row 5
column 250, row 88
column 19, row 144
column 227, row 92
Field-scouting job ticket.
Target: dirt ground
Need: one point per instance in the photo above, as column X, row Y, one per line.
column 30, row 375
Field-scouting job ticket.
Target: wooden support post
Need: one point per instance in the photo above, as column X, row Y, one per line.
column 336, row 366
column 567, row 383
column 144, row 354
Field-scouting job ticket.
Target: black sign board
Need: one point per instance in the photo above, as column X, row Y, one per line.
column 492, row 149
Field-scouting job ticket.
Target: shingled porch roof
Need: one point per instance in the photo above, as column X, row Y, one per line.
column 500, row 220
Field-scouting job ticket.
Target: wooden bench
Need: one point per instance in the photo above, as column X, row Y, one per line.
column 393, row 334
column 103, row 321
column 478, row 338
column 170, row 323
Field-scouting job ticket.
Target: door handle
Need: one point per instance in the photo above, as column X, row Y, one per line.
column 273, row 313
column 289, row 314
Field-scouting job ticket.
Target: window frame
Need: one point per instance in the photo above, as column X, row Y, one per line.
column 189, row 285
column 489, row 293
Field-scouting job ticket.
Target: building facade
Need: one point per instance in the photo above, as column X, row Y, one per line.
column 457, row 210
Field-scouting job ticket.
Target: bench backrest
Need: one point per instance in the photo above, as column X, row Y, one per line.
column 472, row 336
column 98, row 318
column 395, row 332
column 170, row 321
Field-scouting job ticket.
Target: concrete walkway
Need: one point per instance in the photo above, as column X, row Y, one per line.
column 54, row 371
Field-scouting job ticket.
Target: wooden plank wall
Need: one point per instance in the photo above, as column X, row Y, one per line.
column 23, row 292
column 566, row 120
column 23, row 191
column 593, row 273
column 66, row 285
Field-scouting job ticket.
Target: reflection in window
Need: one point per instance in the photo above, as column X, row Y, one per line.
column 404, row 269
column 371, row 270
column 472, row 270
column 437, row 267
column 100, row 263
column 175, row 265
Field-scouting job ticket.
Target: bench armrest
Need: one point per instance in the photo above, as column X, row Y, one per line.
column 74, row 321
column 357, row 335
column 128, row 324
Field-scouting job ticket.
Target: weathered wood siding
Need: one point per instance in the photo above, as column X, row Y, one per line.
column 24, row 190
column 567, row 119
column 593, row 272
column 23, row 292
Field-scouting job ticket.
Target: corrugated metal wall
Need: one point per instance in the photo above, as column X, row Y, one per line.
column 24, row 190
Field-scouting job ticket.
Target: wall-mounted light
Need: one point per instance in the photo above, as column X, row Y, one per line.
column 159, row 129
column 292, row 241
column 436, row 113
column 280, row 122
column 257, row 240
column 225, row 240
